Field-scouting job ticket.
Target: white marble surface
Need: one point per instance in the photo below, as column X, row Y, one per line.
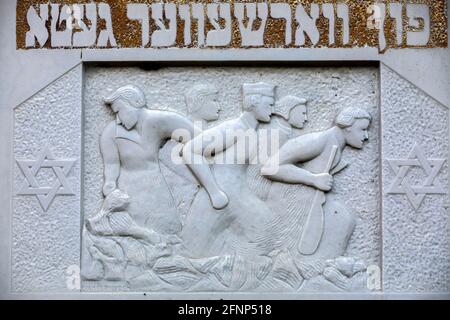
column 45, row 242
column 327, row 90
column 416, row 242
column 415, row 245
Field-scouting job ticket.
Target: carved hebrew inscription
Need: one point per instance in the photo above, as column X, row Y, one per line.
column 232, row 24
column 261, row 218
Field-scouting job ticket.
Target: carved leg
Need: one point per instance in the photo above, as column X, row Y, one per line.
column 218, row 198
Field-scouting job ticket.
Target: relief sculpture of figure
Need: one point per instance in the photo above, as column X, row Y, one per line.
column 203, row 108
column 207, row 231
column 274, row 226
column 305, row 164
column 130, row 146
column 309, row 224
column 289, row 112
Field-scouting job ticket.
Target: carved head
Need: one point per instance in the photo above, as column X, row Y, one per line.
column 201, row 101
column 354, row 123
column 126, row 102
column 293, row 110
column 259, row 99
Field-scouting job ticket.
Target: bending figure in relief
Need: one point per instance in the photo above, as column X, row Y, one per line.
column 207, row 231
column 130, row 147
column 303, row 173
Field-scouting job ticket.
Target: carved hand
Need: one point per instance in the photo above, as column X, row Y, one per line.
column 109, row 187
column 323, row 181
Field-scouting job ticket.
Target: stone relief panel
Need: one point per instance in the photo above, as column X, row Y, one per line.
column 415, row 153
column 47, row 187
column 230, row 179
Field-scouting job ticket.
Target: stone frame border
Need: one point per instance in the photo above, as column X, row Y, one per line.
column 23, row 76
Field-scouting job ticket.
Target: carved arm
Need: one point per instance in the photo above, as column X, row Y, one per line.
column 282, row 166
column 111, row 160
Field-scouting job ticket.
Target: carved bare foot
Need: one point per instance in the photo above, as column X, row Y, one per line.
column 219, row 199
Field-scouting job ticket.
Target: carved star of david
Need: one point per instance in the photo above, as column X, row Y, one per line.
column 45, row 194
column 416, row 193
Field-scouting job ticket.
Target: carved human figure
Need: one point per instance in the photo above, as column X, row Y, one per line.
column 301, row 170
column 201, row 101
column 130, row 147
column 289, row 112
column 207, row 231
column 203, row 107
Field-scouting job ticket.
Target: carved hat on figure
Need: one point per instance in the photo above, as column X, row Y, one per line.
column 293, row 110
column 259, row 88
column 284, row 106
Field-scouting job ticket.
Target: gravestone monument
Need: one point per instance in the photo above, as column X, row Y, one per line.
column 256, row 149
